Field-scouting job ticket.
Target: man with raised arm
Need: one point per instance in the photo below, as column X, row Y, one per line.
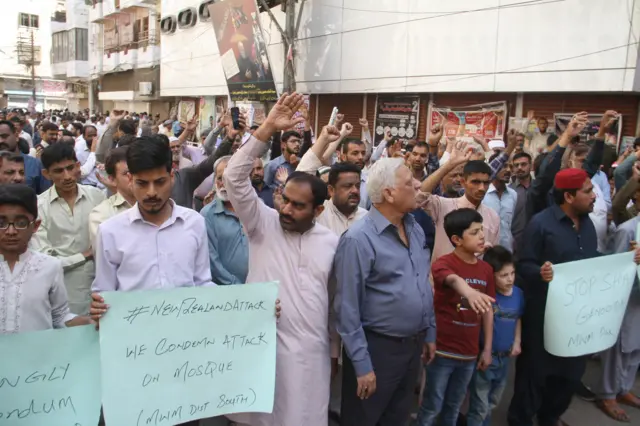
column 289, row 246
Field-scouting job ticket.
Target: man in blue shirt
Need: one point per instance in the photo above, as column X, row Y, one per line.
column 32, row 166
column 563, row 232
column 289, row 159
column 228, row 244
column 384, row 303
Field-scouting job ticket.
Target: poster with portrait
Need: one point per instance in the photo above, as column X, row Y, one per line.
column 484, row 120
column 397, row 114
column 186, row 111
column 243, row 51
column 561, row 120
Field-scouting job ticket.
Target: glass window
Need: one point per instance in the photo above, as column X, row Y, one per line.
column 34, row 21
column 23, row 19
column 82, row 45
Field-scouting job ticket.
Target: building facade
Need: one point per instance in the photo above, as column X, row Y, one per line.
column 551, row 57
column 124, row 56
column 25, row 56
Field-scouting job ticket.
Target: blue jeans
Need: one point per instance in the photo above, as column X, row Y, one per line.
column 445, row 389
column 486, row 390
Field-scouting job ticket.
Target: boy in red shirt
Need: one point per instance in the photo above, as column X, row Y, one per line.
column 464, row 293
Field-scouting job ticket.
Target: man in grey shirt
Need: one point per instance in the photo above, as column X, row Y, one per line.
column 384, row 303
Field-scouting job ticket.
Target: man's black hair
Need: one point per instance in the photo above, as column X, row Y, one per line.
column 11, row 157
column 286, row 135
column 344, row 144
column 498, row 257
column 458, row 221
column 476, row 166
column 46, row 126
column 126, row 140
column 66, row 132
column 148, row 153
column 17, row 119
column 56, row 153
column 522, row 155
column 114, row 157
column 9, row 124
column 128, row 127
column 20, row 195
column 338, row 168
column 318, row 187
column 419, row 144
column 558, row 194
column 636, row 143
column 78, row 127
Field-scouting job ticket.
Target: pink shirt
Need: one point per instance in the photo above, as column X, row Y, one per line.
column 438, row 207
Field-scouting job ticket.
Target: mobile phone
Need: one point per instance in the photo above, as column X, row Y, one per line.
column 235, row 117
column 334, row 116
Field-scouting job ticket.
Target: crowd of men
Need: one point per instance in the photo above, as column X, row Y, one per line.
column 409, row 264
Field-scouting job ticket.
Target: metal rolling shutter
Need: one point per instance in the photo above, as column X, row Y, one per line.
column 549, row 103
column 349, row 105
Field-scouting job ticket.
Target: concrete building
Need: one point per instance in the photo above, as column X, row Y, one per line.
column 25, row 56
column 70, row 50
column 548, row 56
column 124, row 56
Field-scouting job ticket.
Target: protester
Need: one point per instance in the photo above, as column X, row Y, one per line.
column 289, row 159
column 32, row 291
column 64, row 223
column 289, row 246
column 122, row 199
column 384, row 306
column 463, row 293
column 228, row 244
column 11, row 168
column 503, row 200
column 32, row 166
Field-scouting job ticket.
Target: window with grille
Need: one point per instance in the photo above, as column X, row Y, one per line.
column 28, row 20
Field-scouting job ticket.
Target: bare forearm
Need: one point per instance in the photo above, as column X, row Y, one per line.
column 431, row 182
column 487, row 328
column 459, row 285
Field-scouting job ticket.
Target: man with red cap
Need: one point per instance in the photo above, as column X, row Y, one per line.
column 563, row 232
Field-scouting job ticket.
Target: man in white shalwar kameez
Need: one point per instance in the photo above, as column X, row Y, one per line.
column 288, row 246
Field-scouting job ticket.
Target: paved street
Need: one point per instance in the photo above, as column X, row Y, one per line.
column 581, row 413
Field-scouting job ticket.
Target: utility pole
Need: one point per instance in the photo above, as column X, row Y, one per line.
column 289, row 35
column 33, row 69
column 289, row 46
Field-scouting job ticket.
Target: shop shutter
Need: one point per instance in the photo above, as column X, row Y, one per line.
column 546, row 104
column 349, row 105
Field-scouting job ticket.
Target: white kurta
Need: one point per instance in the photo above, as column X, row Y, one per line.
column 302, row 263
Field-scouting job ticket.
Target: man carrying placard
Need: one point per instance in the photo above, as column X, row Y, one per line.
column 563, row 232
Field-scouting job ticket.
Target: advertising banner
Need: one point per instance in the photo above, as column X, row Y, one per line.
column 243, row 51
column 485, row 120
column 593, row 126
column 398, row 114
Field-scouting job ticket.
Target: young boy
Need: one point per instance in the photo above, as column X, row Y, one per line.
column 487, row 386
column 464, row 292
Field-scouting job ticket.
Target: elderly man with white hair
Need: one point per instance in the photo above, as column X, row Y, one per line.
column 384, row 304
column 228, row 244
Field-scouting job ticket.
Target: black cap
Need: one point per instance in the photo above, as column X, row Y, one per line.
column 20, row 195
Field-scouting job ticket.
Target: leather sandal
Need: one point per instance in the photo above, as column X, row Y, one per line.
column 611, row 408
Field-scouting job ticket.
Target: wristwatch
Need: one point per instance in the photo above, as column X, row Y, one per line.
column 88, row 258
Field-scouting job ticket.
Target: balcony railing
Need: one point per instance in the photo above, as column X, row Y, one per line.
column 122, row 38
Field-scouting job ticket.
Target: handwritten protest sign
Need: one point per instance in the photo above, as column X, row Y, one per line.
column 50, row 378
column 172, row 356
column 586, row 302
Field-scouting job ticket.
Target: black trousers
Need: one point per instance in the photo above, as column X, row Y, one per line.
column 396, row 362
column 546, row 396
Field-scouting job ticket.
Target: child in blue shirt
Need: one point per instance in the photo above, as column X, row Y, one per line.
column 487, row 386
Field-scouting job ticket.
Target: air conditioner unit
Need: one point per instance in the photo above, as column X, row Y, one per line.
column 145, row 88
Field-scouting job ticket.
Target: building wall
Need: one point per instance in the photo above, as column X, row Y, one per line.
column 9, row 35
column 419, row 46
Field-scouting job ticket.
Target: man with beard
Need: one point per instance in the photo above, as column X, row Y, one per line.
column 563, row 232
column 264, row 191
column 228, row 245
column 418, row 160
column 538, row 140
column 178, row 160
column 155, row 244
column 502, row 200
column 290, row 246
column 32, row 166
column 353, row 151
column 522, row 170
column 290, row 142
column 64, row 229
column 11, row 168
column 344, row 180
